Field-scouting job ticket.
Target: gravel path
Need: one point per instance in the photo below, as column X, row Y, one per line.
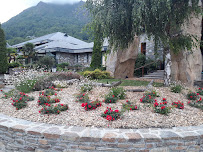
column 77, row 116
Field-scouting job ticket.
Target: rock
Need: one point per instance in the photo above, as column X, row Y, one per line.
column 121, row 63
column 187, row 65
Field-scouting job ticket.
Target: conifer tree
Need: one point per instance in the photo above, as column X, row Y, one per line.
column 97, row 53
column 3, row 50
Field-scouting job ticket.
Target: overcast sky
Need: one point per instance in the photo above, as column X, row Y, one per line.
column 10, row 8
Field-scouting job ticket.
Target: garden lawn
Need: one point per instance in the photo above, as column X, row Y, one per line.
column 130, row 82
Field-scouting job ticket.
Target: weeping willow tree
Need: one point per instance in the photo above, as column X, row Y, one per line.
column 161, row 20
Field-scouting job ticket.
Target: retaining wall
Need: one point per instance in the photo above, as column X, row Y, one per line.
column 17, row 135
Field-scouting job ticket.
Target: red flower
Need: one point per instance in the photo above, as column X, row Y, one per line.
column 1, row 90
column 39, row 111
column 82, row 104
column 126, row 100
column 130, row 108
column 135, row 107
column 55, row 94
column 163, row 107
column 61, row 104
column 164, row 99
column 108, row 117
column 113, row 96
column 197, row 93
column 89, row 106
column 140, row 100
column 117, row 111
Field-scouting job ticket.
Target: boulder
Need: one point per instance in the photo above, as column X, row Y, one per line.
column 121, row 63
column 187, row 65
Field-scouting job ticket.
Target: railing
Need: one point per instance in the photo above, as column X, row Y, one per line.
column 145, row 66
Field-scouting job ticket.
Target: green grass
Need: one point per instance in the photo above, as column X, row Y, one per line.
column 130, row 82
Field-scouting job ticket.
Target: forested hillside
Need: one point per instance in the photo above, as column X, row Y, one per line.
column 47, row 18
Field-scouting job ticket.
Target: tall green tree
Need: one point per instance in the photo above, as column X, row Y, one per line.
column 161, row 20
column 3, row 57
column 28, row 51
column 97, row 53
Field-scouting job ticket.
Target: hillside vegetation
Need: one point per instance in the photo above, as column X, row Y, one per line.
column 45, row 18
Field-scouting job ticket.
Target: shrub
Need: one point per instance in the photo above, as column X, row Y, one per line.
column 178, row 105
column 129, row 106
column 49, row 92
column 46, row 62
column 13, row 65
column 42, row 84
column 141, row 60
column 192, row 95
column 111, row 115
column 86, row 87
column 147, row 99
column 26, row 86
column 97, row 74
column 43, row 100
column 161, row 107
column 63, row 65
column 176, row 88
column 200, row 91
column 118, row 92
column 63, row 76
column 152, row 94
column 51, row 109
column 110, row 99
column 19, row 104
column 20, row 100
column 83, row 98
column 10, row 93
column 91, row 105
column 196, row 104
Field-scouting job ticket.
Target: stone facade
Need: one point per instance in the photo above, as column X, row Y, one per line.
column 83, row 59
column 17, row 135
column 150, row 48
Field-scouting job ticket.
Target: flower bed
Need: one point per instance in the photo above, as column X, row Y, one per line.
column 142, row 118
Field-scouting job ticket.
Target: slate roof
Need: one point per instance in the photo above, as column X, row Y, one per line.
column 59, row 42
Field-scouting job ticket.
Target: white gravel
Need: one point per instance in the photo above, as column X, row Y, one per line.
column 77, row 116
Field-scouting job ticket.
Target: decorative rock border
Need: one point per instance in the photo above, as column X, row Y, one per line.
column 25, row 136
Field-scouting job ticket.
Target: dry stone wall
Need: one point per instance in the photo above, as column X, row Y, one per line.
column 24, row 136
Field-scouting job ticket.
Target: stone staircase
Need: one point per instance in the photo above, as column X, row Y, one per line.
column 159, row 74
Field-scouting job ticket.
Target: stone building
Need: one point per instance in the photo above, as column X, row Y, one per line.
column 63, row 48
column 146, row 47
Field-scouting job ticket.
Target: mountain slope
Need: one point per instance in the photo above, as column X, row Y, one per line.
column 47, row 18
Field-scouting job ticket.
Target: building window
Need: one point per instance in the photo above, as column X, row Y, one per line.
column 87, row 57
column 77, row 58
column 143, row 48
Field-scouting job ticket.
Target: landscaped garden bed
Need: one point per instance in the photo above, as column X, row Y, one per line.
column 145, row 115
